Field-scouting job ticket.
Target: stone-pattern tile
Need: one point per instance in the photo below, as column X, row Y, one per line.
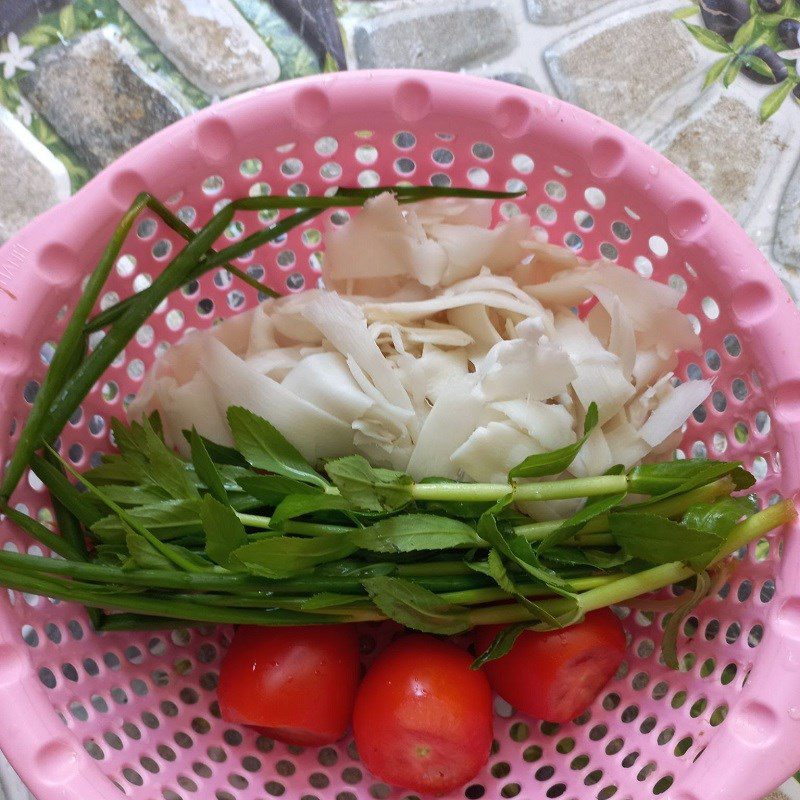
column 722, row 145
column 518, row 79
column 87, row 87
column 11, row 787
column 621, row 66
column 32, row 179
column 209, row 41
column 786, row 247
column 444, row 36
column 557, row 12
column 19, row 15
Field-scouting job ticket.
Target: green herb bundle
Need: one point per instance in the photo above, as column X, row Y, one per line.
column 255, row 534
column 258, row 535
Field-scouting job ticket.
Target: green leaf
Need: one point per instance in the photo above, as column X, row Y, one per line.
column 142, row 447
column 709, row 39
column 669, row 644
column 144, row 555
column 265, row 447
column 745, row 33
column 555, row 462
column 220, row 453
column 296, row 505
column 685, row 12
column 518, row 549
column 286, row 556
column 329, row 600
column 721, row 516
column 501, row 645
column 715, row 70
column 417, row 608
column 205, row 468
column 587, row 556
column 668, row 478
column 271, row 489
column 658, row 540
column 127, row 495
column 495, row 569
column 368, row 487
column 731, row 71
column 77, row 503
column 354, row 569
column 410, row 532
column 505, row 639
column 569, row 527
column 168, row 519
column 224, row 531
column 773, row 101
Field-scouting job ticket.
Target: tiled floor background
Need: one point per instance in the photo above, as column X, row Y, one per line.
column 70, row 73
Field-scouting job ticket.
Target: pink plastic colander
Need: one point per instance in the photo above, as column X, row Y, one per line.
column 85, row 717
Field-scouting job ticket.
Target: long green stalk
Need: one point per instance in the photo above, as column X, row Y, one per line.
column 543, row 490
column 649, row 580
column 62, row 364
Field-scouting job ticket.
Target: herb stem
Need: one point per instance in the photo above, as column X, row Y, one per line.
column 542, row 490
column 669, row 507
column 648, row 580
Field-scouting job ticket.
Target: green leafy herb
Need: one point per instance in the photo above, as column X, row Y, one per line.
column 668, row 478
column 218, row 452
column 721, row 516
column 657, row 540
column 329, row 600
column 206, row 469
column 287, row 556
column 501, row 645
column 224, row 531
column 409, row 532
column 587, row 556
column 168, row 519
column 368, row 487
column 296, row 505
column 265, row 447
column 556, row 461
column 569, row 527
column 518, row 549
column 669, row 644
column 271, row 489
column 417, row 608
column 157, row 464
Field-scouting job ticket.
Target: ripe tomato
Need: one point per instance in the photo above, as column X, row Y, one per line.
column 296, row 683
column 423, row 718
column 554, row 676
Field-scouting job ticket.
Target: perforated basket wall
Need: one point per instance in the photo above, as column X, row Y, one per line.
column 87, row 716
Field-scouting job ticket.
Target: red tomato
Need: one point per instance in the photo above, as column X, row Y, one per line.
column 554, row 676
column 297, row 683
column 423, row 718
